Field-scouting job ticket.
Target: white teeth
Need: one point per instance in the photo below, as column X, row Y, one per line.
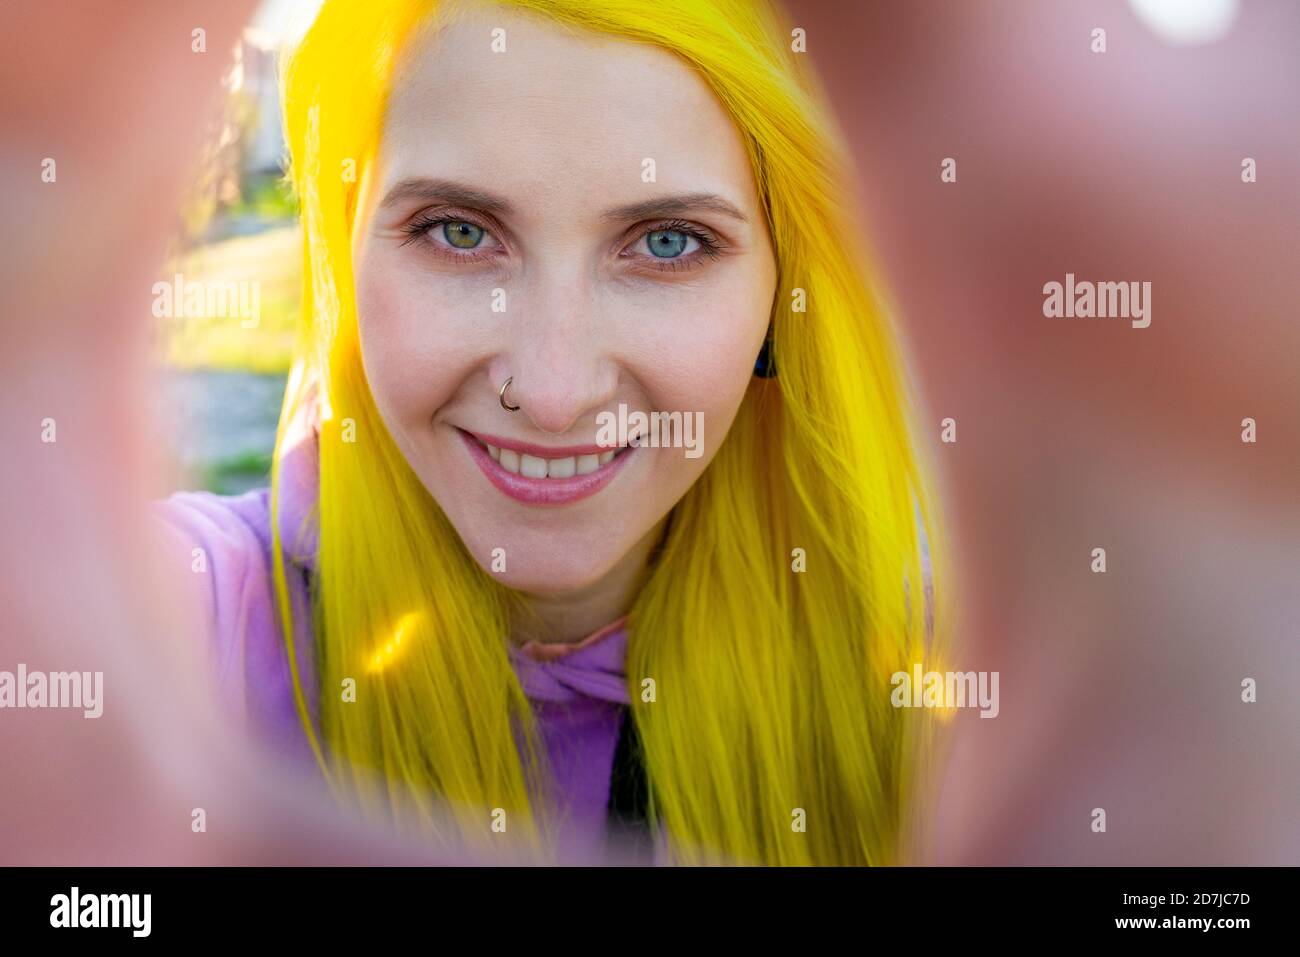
column 530, row 466
column 561, row 468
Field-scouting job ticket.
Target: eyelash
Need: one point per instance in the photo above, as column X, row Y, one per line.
column 710, row 246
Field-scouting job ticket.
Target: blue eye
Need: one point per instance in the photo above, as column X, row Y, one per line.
column 461, row 234
column 667, row 243
column 673, row 246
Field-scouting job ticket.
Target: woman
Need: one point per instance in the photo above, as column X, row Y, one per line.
column 524, row 222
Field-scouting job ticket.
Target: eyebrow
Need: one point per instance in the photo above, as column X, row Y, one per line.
column 461, row 194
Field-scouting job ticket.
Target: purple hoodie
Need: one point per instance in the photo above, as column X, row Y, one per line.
column 577, row 690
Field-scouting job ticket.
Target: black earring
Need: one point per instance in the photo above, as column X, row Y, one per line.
column 765, row 365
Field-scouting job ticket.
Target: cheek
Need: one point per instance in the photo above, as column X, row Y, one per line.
column 706, row 361
column 408, row 341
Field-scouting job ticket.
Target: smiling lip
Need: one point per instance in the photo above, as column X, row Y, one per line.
column 543, row 491
column 541, row 451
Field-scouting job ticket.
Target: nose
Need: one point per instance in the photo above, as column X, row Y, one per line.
column 559, row 353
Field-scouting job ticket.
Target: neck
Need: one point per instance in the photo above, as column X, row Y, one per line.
column 568, row 617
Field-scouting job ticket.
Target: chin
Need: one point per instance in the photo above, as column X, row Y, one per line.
column 550, row 574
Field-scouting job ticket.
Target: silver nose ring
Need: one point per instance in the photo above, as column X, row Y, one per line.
column 502, row 396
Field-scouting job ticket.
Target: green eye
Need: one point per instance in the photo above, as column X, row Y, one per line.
column 667, row 243
column 462, row 235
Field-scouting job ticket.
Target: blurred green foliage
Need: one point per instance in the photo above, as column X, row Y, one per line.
column 236, row 474
column 268, row 196
column 273, row 260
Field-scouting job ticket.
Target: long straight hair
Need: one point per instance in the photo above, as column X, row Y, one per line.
column 788, row 588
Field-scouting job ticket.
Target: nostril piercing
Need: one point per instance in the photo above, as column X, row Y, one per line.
column 502, row 396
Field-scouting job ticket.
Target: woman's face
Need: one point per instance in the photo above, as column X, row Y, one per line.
column 576, row 213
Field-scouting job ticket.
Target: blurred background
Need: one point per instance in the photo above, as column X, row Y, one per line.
column 223, row 376
column 1121, row 690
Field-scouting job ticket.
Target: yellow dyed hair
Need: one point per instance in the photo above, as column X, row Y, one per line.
column 772, row 738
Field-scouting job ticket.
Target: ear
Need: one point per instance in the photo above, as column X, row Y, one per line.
column 765, row 364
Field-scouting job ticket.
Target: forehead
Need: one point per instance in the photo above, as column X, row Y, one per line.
column 561, row 115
